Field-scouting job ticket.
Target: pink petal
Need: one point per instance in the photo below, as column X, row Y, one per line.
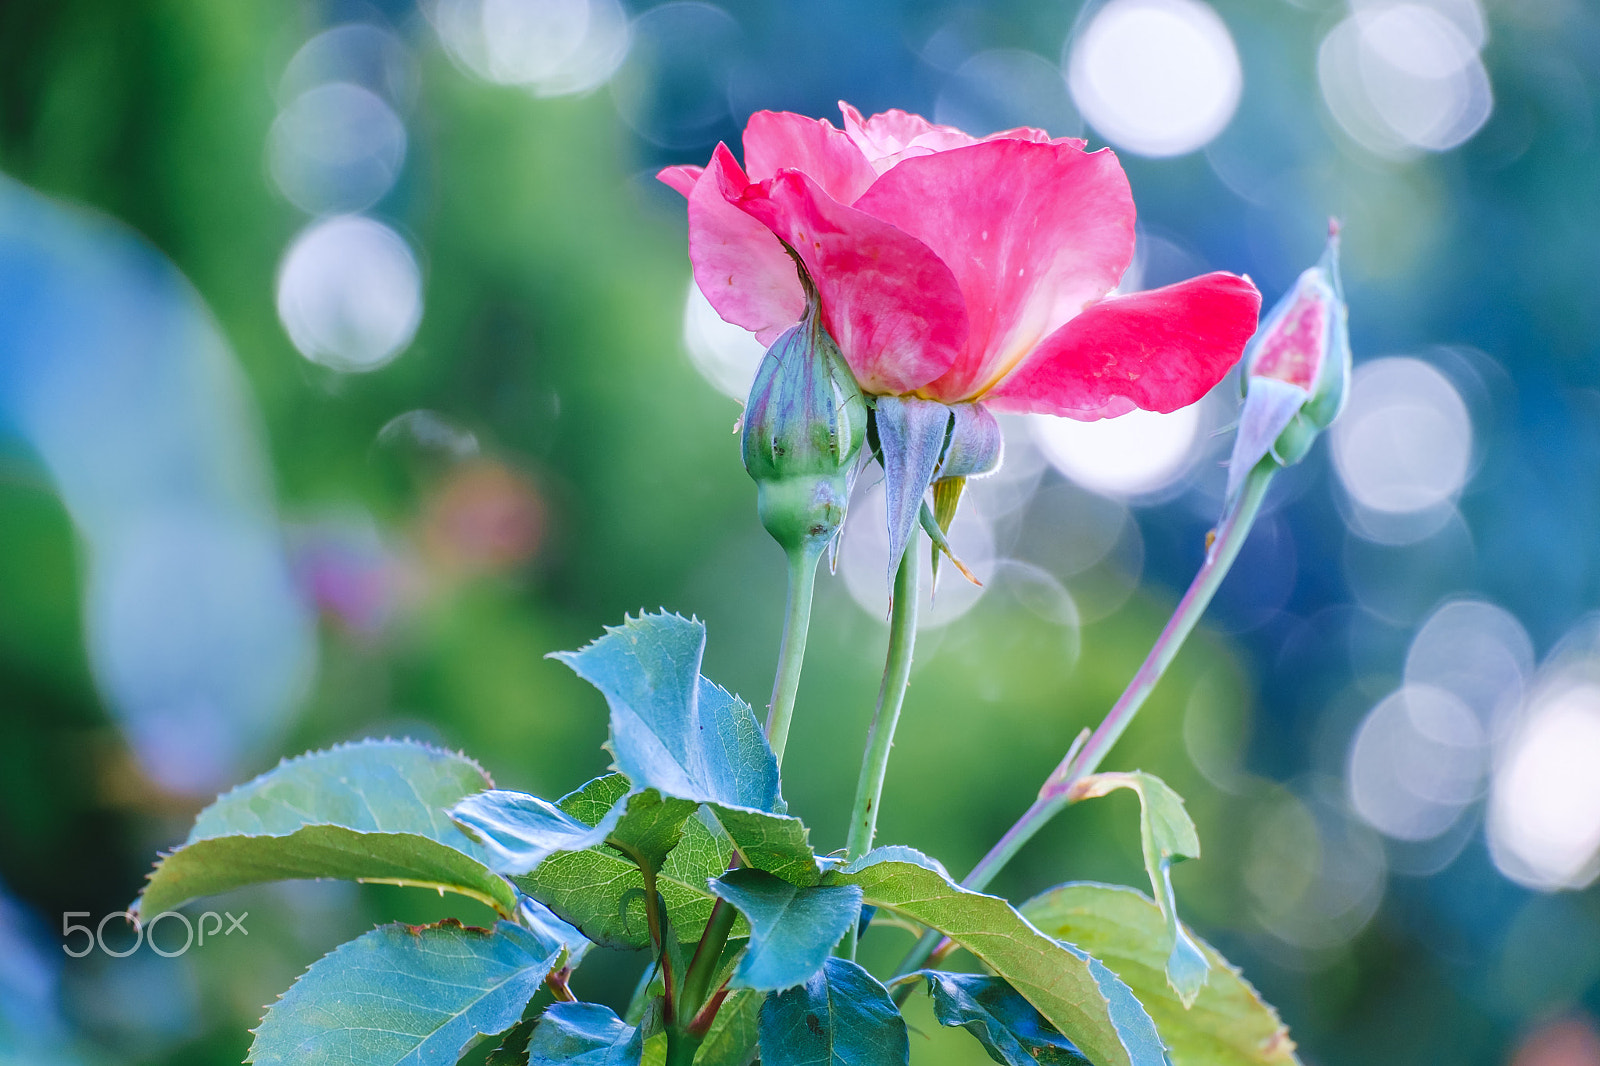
column 1038, row 136
column 1033, row 233
column 893, row 307
column 776, row 139
column 888, row 138
column 681, row 178
column 885, row 138
column 739, row 265
column 1157, row 350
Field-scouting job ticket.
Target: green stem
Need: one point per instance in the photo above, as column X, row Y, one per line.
column 1085, row 758
column 681, row 1047
column 792, row 652
column 703, row 967
column 891, row 697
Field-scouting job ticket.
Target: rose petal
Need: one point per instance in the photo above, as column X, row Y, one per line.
column 894, row 135
column 1038, row 136
column 681, row 178
column 893, row 307
column 1158, row 350
column 738, row 263
column 1033, row 233
column 885, row 137
column 776, row 139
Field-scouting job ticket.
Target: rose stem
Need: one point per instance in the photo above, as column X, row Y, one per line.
column 1083, row 760
column 891, row 696
column 792, row 651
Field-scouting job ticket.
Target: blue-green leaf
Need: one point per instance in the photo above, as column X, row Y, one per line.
column 1167, row 835
column 1010, row 1028
column 735, row 1031
column 776, row 843
column 792, row 929
column 521, row 831
column 371, row 811
column 1133, row 1023
column 543, row 922
column 896, row 853
column 1228, row 1025
column 416, row 995
column 513, row 1047
column 584, row 1034
column 1067, row 988
column 841, row 1017
column 671, row 729
column 676, row 732
column 602, row 892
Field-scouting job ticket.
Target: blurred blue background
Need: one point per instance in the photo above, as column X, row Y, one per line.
column 349, row 363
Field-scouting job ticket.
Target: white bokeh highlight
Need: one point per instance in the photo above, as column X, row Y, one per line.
column 1544, row 807
column 336, row 147
column 726, row 355
column 1417, row 761
column 864, row 558
column 1003, row 88
column 549, row 47
column 1479, row 653
column 1155, row 77
column 1135, row 454
column 1406, row 77
column 1404, row 443
column 350, row 293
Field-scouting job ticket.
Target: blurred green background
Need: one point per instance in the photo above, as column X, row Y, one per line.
column 435, row 400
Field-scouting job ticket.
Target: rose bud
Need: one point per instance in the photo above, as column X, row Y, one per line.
column 803, row 430
column 1297, row 371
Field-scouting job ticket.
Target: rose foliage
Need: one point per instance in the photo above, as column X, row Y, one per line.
column 910, row 280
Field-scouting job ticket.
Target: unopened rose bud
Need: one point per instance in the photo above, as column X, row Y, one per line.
column 1296, row 370
column 803, row 431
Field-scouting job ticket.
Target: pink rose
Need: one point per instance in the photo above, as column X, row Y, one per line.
column 954, row 268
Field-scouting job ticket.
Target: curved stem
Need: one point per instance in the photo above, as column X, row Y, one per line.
column 891, row 697
column 792, row 652
column 1058, row 791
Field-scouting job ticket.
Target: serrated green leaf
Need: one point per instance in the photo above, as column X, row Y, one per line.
column 542, row 921
column 1228, row 1025
column 404, row 994
column 671, row 729
column 841, row 1017
column 513, row 1047
column 372, row 811
column 584, row 1034
column 1167, row 835
column 1133, row 1023
column 676, row 732
column 1010, row 1028
column 792, row 929
column 1060, row 983
column 734, row 1032
column 602, row 892
column 521, row 831
column 775, row 843
column 897, row 853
